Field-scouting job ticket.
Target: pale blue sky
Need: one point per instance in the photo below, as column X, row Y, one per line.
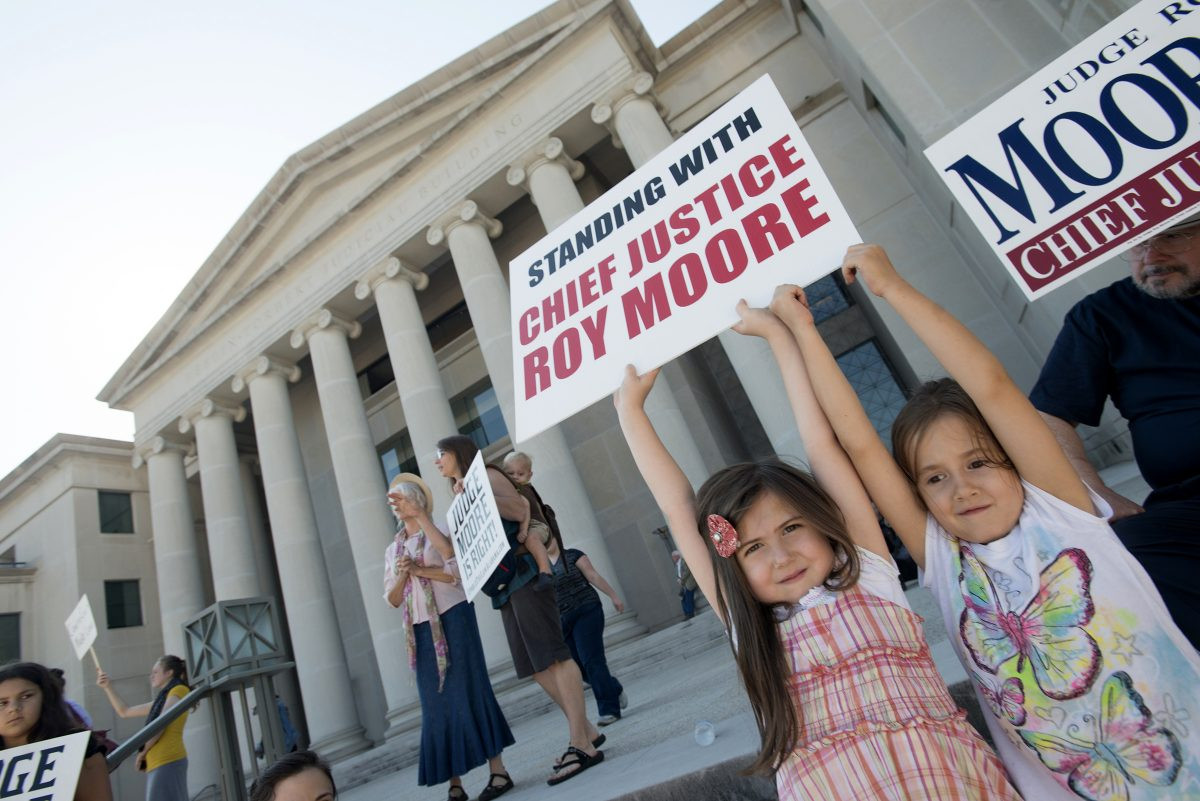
column 137, row 132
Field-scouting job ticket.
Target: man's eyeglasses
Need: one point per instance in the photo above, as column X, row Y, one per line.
column 1171, row 243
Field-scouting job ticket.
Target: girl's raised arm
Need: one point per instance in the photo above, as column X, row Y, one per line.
column 667, row 483
column 1029, row 443
column 884, row 482
column 828, row 461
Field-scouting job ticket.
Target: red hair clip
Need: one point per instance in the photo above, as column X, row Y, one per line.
column 724, row 535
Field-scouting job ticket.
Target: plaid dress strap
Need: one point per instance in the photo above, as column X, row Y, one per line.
column 876, row 719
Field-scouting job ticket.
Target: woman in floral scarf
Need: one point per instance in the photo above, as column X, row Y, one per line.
column 461, row 724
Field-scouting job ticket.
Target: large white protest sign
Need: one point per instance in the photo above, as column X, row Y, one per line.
column 733, row 208
column 476, row 529
column 1090, row 155
column 43, row 771
column 81, row 627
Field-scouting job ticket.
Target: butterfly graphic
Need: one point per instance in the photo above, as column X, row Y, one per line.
column 1126, row 747
column 1007, row 700
column 1048, row 632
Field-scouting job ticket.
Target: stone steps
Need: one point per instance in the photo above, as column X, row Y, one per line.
column 631, row 652
column 674, row 676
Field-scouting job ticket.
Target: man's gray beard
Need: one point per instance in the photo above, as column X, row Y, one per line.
column 1179, row 293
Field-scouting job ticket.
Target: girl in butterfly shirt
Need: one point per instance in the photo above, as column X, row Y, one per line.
column 847, row 699
column 1090, row 685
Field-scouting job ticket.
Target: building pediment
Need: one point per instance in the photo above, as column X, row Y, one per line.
column 318, row 188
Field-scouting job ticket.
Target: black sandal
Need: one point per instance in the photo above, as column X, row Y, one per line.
column 573, row 757
column 494, row 790
column 461, row 795
column 599, row 741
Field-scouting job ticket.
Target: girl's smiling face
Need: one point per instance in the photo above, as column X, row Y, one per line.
column 20, row 710
column 972, row 496
column 782, row 555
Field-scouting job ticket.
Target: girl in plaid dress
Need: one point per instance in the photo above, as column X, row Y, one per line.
column 848, row 702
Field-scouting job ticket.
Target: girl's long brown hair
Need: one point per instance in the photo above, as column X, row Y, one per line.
column 933, row 400
column 757, row 649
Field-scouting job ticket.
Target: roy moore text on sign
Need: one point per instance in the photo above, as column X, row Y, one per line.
column 733, row 208
column 1091, row 154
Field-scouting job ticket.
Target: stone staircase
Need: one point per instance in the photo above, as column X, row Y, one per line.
column 631, row 652
column 675, row 675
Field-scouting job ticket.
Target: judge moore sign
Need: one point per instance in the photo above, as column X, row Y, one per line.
column 1090, row 155
column 655, row 266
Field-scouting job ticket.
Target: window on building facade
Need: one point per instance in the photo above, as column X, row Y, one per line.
column 449, row 327
column 123, row 603
column 477, row 414
column 10, row 637
column 375, row 377
column 116, row 513
column 876, row 385
column 398, row 457
column 826, row 297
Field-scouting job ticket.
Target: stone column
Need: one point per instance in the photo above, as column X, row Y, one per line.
column 467, row 231
column 259, row 538
column 418, row 380
column 180, row 584
column 369, row 523
column 632, row 116
column 316, row 640
column 549, row 176
column 422, row 397
column 230, row 548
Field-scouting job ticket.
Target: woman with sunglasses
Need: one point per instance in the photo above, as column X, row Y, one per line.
column 461, row 724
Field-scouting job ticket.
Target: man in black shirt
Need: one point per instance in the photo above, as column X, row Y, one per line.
column 1138, row 342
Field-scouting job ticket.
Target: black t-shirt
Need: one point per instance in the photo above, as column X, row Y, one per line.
column 1144, row 353
column 571, row 587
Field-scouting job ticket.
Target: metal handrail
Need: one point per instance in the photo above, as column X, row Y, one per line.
column 152, row 728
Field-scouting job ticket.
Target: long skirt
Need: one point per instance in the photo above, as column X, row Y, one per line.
column 462, row 726
column 168, row 782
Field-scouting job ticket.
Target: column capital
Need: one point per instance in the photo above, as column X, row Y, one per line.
column 466, row 212
column 638, row 85
column 324, row 318
column 265, row 365
column 549, row 151
column 209, row 408
column 387, row 270
column 154, row 446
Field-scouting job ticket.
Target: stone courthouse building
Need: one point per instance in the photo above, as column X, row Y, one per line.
column 358, row 310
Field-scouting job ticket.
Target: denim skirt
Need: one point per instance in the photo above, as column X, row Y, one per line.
column 462, row 726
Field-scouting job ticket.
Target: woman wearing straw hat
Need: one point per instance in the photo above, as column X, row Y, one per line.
column 461, row 724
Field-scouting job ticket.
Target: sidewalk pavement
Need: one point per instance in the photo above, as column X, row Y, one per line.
column 651, row 752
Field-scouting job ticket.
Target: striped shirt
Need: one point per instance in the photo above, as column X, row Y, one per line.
column 570, row 585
